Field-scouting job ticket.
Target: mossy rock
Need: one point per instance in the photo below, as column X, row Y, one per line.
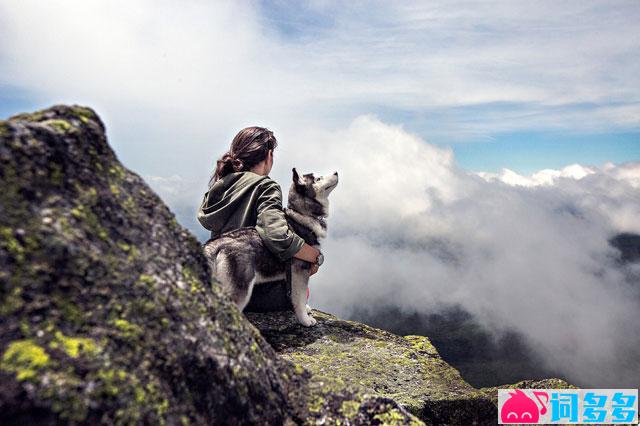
column 108, row 312
column 407, row 370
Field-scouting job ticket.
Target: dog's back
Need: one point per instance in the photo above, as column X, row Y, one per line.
column 239, row 259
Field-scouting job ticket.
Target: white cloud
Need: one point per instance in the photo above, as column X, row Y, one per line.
column 409, row 227
column 542, row 177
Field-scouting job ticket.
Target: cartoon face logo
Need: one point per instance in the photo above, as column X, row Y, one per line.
column 519, row 408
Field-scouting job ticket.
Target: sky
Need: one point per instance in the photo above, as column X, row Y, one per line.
column 487, row 151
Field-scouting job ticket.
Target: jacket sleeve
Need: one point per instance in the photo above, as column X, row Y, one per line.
column 272, row 226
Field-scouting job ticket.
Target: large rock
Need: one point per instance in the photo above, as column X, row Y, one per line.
column 407, row 369
column 107, row 311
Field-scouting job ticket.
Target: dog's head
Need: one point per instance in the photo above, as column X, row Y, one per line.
column 309, row 194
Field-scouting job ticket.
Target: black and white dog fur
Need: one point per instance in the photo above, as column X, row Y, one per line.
column 239, row 260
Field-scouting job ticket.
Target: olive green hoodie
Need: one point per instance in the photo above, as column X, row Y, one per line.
column 249, row 199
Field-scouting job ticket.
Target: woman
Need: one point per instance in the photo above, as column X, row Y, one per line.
column 242, row 194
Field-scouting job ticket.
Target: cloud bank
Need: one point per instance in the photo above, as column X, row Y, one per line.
column 531, row 254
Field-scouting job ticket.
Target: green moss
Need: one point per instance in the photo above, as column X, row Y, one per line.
column 25, row 358
column 117, row 171
column 12, row 301
column 392, row 417
column 59, row 125
column 70, row 311
column 112, row 380
column 5, row 130
column 316, row 403
column 193, row 282
column 84, row 114
column 90, row 220
column 74, row 346
column 29, row 116
column 88, row 196
column 133, row 254
column 421, row 344
column 145, row 280
column 129, row 204
column 115, row 190
column 25, row 329
column 350, row 409
column 139, row 394
column 162, row 407
column 142, row 400
column 127, row 329
column 78, row 212
column 13, row 246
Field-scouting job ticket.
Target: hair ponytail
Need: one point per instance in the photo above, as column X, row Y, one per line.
column 248, row 148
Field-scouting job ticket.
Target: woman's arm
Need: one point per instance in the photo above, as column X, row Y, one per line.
column 273, row 228
column 308, row 253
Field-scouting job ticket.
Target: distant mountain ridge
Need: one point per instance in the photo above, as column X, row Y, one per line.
column 629, row 246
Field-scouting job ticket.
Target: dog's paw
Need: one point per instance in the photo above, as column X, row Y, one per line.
column 309, row 321
column 308, row 308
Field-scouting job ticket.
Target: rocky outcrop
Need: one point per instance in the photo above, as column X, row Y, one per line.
column 407, row 369
column 109, row 315
column 108, row 312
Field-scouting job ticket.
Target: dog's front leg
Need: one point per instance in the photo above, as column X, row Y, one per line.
column 299, row 282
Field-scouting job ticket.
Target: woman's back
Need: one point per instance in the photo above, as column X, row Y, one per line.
column 231, row 201
column 248, row 199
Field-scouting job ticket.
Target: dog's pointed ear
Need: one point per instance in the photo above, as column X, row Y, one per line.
column 299, row 183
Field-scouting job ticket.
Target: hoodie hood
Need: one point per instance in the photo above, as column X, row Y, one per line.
column 228, row 197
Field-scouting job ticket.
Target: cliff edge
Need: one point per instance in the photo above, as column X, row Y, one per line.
column 109, row 315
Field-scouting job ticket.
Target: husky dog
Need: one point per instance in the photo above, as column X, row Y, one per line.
column 238, row 258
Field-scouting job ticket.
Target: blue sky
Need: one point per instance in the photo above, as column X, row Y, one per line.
column 504, row 84
column 521, row 151
column 533, row 147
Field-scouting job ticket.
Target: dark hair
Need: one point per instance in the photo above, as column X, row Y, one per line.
column 249, row 147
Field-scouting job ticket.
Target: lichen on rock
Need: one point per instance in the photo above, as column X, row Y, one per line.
column 407, row 370
column 24, row 358
column 94, row 327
